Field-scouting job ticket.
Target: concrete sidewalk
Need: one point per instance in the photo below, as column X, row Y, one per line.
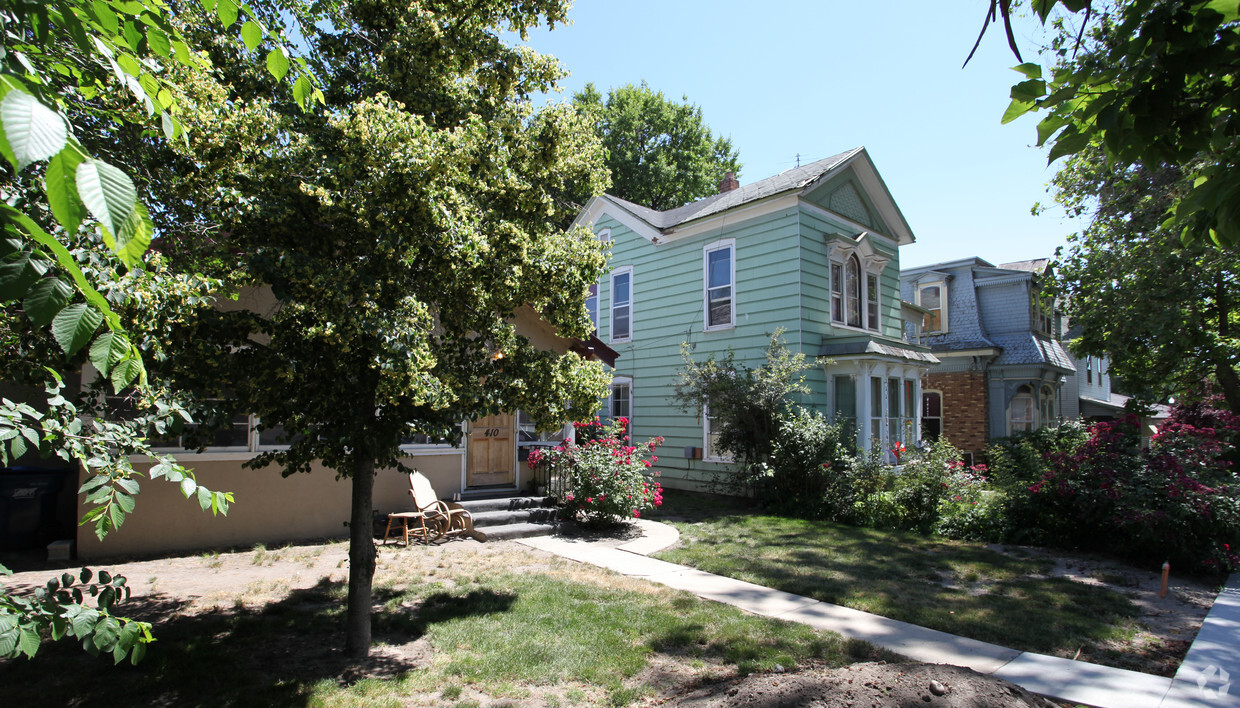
column 1213, row 657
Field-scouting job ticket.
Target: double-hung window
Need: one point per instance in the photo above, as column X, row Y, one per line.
column 620, row 402
column 837, row 292
column 719, row 263
column 622, row 305
column 710, row 439
column 930, row 297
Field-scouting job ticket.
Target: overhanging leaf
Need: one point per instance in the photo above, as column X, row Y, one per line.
column 107, row 192
column 251, row 34
column 16, row 278
column 73, row 326
column 226, row 10
column 301, row 90
column 126, row 372
column 108, row 349
column 134, row 237
column 277, row 63
column 1016, row 109
column 34, row 132
column 1029, row 69
column 61, row 185
column 48, row 297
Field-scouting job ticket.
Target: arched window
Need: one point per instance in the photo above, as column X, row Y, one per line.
column 852, row 287
column 1020, row 411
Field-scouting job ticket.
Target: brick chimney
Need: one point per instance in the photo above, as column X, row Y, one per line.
column 728, row 183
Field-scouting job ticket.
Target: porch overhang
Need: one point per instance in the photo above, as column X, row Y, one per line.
column 873, row 349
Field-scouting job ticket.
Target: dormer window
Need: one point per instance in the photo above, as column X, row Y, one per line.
column 931, row 296
column 1043, row 316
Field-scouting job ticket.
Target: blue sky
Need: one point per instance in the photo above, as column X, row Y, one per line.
column 782, row 78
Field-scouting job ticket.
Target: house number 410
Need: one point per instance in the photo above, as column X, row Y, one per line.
column 492, row 433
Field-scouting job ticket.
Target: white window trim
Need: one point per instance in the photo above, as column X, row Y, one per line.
column 1033, row 413
column 942, row 286
column 611, row 304
column 604, row 235
column 868, row 265
column 730, row 245
column 878, row 300
column 611, row 412
column 706, row 447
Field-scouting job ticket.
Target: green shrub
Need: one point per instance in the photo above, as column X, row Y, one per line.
column 969, row 509
column 804, row 450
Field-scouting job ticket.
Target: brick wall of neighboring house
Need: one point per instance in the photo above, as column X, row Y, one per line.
column 964, row 409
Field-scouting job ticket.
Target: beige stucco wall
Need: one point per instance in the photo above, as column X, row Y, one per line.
column 269, row 509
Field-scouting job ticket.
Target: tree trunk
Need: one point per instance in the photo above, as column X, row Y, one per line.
column 361, row 559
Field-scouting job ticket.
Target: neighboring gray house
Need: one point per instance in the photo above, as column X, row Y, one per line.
column 1003, row 366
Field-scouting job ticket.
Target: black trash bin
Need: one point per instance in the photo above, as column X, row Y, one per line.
column 29, row 501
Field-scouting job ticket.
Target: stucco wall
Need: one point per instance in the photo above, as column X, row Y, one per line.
column 269, row 508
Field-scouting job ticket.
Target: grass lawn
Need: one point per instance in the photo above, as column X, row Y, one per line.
column 962, row 588
column 456, row 625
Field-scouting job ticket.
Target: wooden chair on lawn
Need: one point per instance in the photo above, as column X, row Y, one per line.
column 451, row 518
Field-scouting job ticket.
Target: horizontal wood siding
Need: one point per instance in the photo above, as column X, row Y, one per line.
column 668, row 309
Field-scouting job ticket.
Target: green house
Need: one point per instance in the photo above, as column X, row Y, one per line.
column 814, row 250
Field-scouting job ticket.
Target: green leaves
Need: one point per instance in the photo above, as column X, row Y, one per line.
column 62, row 194
column 57, row 609
column 74, row 326
column 277, row 62
column 46, row 299
column 33, row 131
column 1152, row 82
column 107, row 192
column 252, row 35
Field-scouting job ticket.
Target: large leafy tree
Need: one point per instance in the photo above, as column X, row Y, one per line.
column 1152, row 82
column 401, row 232
column 660, row 152
column 1166, row 312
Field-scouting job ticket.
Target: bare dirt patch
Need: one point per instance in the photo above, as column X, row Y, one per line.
column 870, row 684
column 1168, row 624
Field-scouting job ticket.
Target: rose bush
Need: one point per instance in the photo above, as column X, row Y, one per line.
column 609, row 478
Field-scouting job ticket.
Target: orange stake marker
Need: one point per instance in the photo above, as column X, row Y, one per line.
column 1166, row 572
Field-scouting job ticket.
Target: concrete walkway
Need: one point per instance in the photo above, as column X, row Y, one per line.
column 1202, row 681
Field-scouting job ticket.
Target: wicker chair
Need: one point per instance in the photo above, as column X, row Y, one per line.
column 451, row 518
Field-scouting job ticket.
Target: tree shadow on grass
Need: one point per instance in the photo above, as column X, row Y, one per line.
column 273, row 655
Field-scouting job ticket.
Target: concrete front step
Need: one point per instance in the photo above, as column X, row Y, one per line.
column 543, row 514
column 513, row 517
column 476, row 506
column 509, row 532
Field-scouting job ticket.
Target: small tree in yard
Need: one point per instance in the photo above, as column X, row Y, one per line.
column 749, row 407
column 400, row 233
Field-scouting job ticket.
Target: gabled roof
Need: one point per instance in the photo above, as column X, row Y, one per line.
column 657, row 225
